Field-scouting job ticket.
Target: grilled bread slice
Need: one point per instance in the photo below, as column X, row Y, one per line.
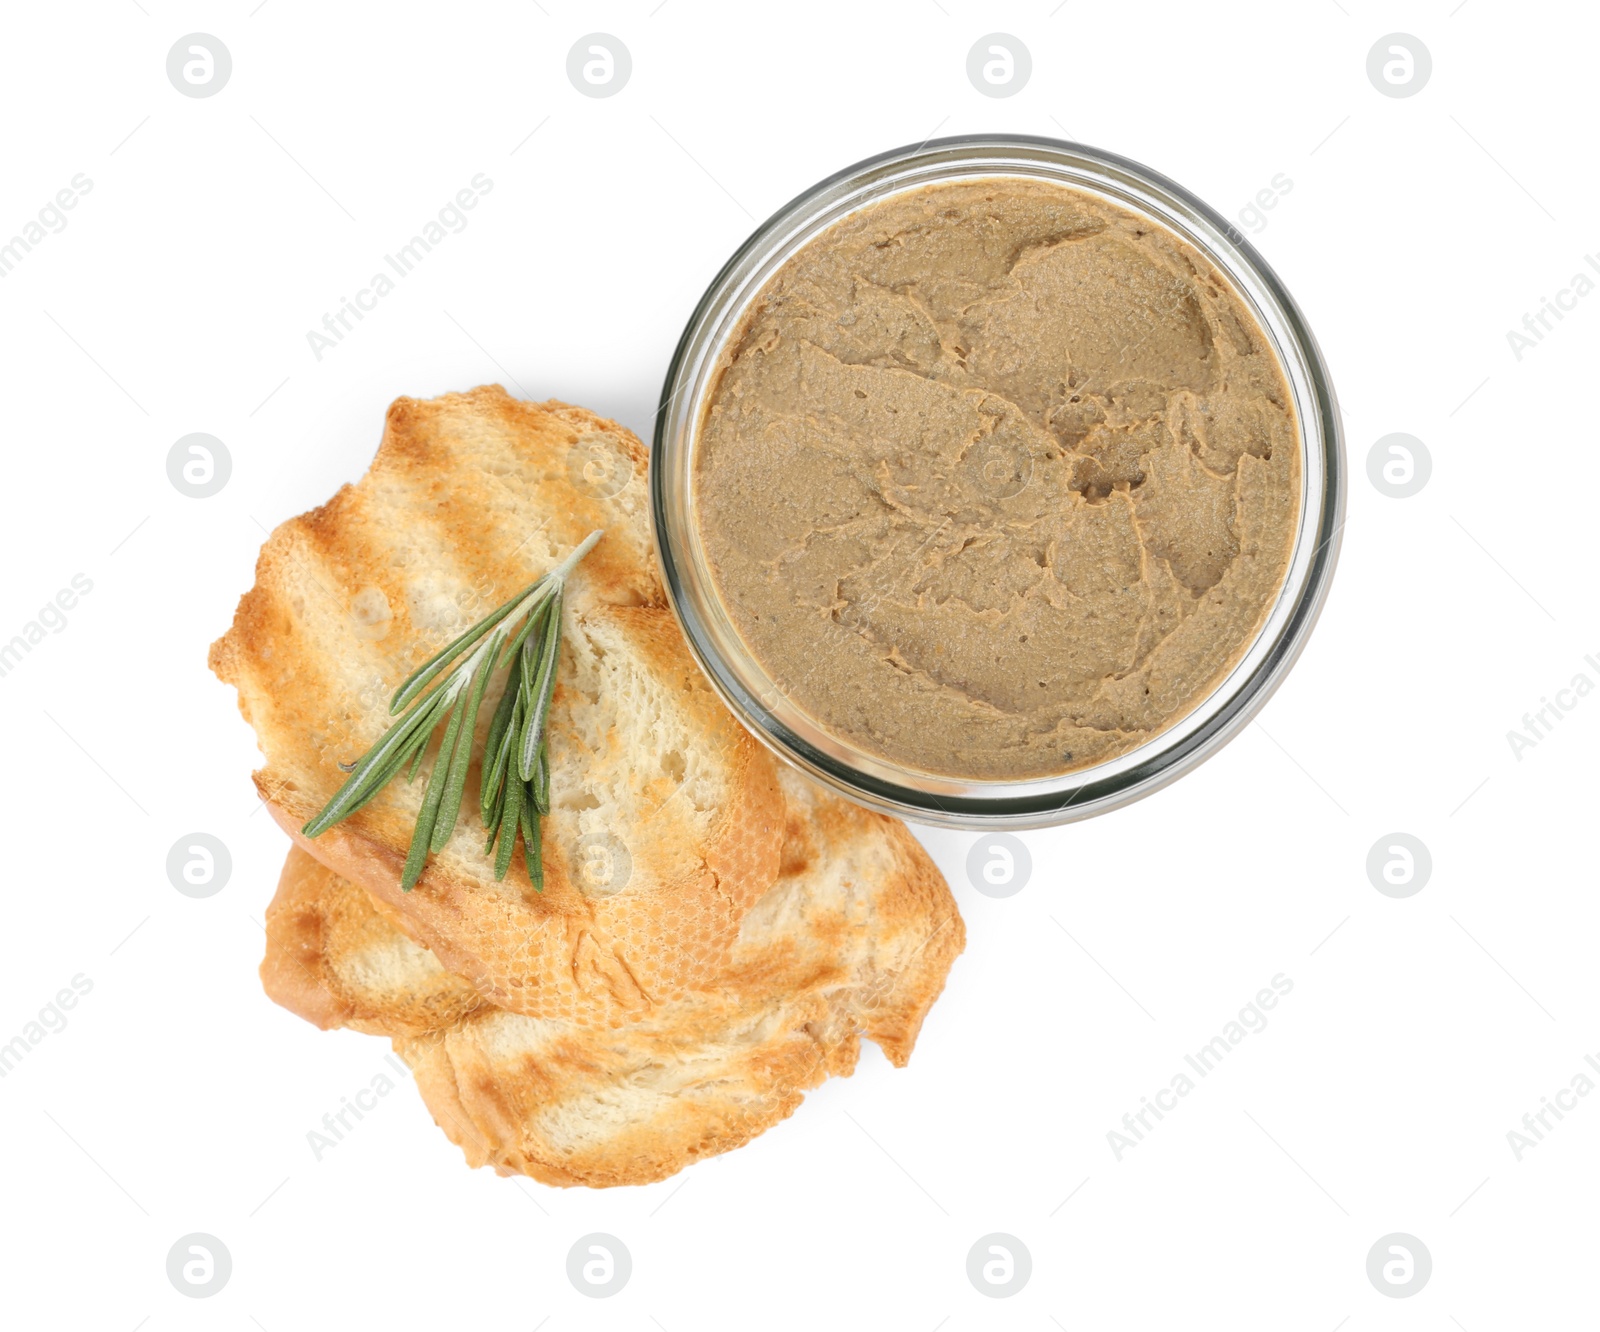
column 855, row 937
column 666, row 820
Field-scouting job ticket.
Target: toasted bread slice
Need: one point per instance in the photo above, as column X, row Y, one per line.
column 854, row 938
column 666, row 820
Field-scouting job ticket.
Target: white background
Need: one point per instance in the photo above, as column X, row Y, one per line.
column 1418, row 1033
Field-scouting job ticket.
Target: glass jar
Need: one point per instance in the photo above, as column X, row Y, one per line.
column 869, row 778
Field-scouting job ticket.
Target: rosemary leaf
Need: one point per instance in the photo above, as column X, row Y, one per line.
column 527, row 668
column 416, row 761
column 418, row 747
column 422, row 834
column 379, row 764
column 529, row 625
column 532, row 850
column 493, row 822
column 461, row 757
column 509, row 815
column 539, row 787
column 415, row 749
column 494, row 807
column 419, row 678
column 498, row 724
column 492, row 776
column 544, row 684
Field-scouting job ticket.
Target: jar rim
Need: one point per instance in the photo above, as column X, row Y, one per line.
column 868, row 778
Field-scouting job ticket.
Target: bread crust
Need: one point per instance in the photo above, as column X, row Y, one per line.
column 336, row 960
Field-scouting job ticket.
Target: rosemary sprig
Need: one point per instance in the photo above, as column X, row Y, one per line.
column 514, row 776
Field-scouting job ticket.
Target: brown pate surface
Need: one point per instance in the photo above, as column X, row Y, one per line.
column 997, row 479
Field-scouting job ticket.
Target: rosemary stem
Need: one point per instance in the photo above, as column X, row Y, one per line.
column 567, row 565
